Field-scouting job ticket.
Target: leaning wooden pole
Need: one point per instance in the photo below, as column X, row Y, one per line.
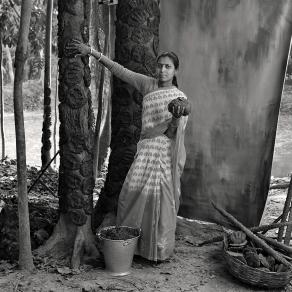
column 25, row 254
column 289, row 228
column 261, row 243
column 286, row 209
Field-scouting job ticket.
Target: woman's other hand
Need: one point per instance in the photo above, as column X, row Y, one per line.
column 179, row 107
column 75, row 48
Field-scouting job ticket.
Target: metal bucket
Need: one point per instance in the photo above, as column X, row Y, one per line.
column 118, row 253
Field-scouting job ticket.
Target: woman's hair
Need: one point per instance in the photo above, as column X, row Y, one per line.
column 175, row 61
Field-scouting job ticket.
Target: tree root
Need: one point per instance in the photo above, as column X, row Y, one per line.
column 69, row 240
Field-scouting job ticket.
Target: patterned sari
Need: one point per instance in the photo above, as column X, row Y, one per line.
column 150, row 195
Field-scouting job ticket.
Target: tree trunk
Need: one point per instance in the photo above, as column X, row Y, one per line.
column 9, row 64
column 105, row 137
column 47, row 120
column 25, row 255
column 100, row 15
column 73, row 234
column 136, row 47
column 55, row 118
column 101, row 114
column 2, row 102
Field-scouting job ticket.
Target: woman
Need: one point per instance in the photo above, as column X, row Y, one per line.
column 149, row 198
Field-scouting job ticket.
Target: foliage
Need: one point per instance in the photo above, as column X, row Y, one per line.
column 9, row 22
column 9, row 25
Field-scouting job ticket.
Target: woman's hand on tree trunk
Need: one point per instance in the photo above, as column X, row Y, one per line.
column 75, row 48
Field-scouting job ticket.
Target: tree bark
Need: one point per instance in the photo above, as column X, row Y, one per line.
column 2, row 102
column 73, row 232
column 47, row 119
column 25, row 255
column 136, row 47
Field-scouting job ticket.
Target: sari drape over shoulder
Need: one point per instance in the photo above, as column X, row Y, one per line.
column 149, row 198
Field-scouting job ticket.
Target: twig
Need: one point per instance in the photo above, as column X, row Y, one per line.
column 42, row 172
column 49, row 189
column 252, row 236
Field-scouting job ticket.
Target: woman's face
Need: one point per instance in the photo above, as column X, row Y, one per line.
column 166, row 70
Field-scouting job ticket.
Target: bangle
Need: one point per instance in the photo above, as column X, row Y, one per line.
column 99, row 57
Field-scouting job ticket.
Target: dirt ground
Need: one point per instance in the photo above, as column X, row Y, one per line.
column 190, row 269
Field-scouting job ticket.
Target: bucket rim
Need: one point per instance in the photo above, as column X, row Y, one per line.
column 114, row 226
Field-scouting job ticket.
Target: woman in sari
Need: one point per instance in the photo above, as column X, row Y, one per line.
column 149, row 198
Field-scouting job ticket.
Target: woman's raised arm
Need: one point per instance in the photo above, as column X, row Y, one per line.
column 141, row 82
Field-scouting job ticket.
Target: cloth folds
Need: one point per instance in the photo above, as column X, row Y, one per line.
column 149, row 198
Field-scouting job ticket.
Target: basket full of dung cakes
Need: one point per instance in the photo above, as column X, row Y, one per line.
column 252, row 264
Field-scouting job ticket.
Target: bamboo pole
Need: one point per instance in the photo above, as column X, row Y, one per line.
column 252, row 236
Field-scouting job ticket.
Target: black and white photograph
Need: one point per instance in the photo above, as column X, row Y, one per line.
column 145, row 145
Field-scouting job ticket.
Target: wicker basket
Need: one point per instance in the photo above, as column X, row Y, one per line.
column 253, row 276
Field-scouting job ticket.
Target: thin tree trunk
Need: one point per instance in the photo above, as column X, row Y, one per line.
column 25, row 255
column 47, row 120
column 100, row 112
column 105, row 136
column 56, row 117
column 9, row 64
column 2, row 102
